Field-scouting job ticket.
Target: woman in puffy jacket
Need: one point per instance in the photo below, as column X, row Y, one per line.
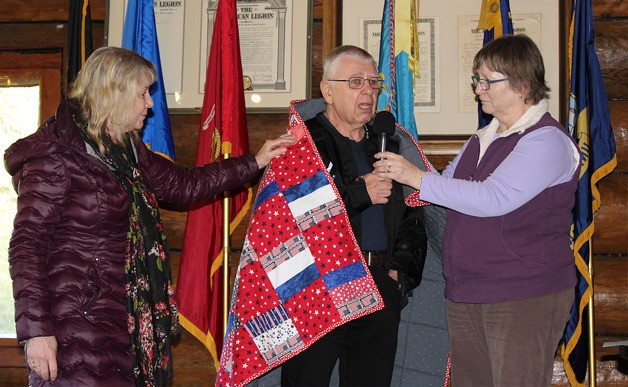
column 94, row 300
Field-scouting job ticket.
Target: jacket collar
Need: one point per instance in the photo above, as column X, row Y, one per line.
column 488, row 134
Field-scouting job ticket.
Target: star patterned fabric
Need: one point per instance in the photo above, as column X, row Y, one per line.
column 301, row 272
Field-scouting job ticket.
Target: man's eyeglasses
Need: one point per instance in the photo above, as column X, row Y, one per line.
column 484, row 83
column 358, row 82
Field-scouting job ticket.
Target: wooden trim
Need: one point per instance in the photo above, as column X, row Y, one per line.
column 11, row 353
column 332, row 25
column 31, row 59
column 442, row 145
column 49, row 93
column 44, row 11
column 36, row 68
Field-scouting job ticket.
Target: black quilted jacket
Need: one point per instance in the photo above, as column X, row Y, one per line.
column 407, row 240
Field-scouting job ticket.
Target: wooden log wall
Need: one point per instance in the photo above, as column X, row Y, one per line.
column 42, row 25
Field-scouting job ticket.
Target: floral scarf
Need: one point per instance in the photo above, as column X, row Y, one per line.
column 151, row 308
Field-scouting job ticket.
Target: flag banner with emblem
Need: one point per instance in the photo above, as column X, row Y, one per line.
column 140, row 35
column 590, row 125
column 301, row 272
column 399, row 61
column 495, row 20
column 80, row 40
column 223, row 130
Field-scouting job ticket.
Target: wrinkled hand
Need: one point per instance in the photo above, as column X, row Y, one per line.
column 379, row 189
column 41, row 356
column 393, row 166
column 273, row 148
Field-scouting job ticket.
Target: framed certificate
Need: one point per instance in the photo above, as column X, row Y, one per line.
column 275, row 47
column 444, row 101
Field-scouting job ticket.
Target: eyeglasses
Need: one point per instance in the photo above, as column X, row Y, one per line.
column 484, row 83
column 358, row 82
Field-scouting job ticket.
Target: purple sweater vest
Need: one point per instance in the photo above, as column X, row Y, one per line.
column 523, row 254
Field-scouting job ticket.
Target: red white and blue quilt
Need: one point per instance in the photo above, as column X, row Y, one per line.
column 301, row 273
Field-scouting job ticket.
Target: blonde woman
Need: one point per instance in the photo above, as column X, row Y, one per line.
column 88, row 256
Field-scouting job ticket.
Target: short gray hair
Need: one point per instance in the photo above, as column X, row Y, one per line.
column 330, row 60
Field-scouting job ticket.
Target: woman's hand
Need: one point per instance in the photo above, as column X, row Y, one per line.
column 273, row 148
column 393, row 166
column 41, row 356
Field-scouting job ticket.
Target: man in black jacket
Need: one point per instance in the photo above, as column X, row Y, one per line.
column 391, row 235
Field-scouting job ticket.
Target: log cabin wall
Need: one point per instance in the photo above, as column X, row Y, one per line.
column 42, row 26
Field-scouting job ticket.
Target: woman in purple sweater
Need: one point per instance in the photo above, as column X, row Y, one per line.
column 507, row 260
column 94, row 301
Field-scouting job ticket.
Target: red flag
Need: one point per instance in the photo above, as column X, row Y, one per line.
column 223, row 130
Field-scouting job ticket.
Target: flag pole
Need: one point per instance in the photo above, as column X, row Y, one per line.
column 226, row 225
column 591, row 323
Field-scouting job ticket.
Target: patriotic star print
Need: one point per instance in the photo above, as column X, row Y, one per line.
column 301, row 272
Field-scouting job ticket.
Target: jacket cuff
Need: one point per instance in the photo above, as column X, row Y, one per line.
column 28, row 329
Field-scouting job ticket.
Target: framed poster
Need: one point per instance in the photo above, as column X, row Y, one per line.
column 275, row 46
column 445, row 103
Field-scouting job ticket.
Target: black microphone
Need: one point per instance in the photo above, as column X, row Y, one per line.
column 384, row 126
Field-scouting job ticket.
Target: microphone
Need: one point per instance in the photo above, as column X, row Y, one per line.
column 384, row 126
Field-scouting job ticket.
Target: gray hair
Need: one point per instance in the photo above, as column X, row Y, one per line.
column 331, row 59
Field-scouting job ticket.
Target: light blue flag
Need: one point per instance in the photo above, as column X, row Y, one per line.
column 398, row 61
column 140, row 35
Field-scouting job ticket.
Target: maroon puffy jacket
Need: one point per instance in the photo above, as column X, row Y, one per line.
column 68, row 246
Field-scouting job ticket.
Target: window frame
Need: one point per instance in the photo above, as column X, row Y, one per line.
column 28, row 68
